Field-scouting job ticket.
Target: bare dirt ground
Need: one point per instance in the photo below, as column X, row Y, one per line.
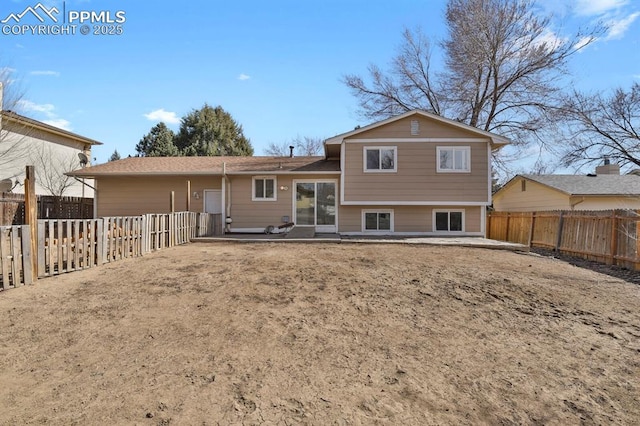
column 281, row 334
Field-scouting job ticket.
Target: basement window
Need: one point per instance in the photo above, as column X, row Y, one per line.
column 377, row 220
column 448, row 220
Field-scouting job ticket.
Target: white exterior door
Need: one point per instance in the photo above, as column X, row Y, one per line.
column 213, row 201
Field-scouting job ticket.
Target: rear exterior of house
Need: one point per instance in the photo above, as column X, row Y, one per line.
column 415, row 174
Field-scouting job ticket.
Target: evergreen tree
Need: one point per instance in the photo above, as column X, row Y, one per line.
column 211, row 131
column 159, row 142
column 115, row 156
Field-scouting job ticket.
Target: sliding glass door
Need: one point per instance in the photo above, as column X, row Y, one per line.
column 315, row 205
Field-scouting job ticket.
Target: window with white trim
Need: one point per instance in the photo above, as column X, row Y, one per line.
column 448, row 220
column 454, row 159
column 264, row 188
column 377, row 220
column 380, row 159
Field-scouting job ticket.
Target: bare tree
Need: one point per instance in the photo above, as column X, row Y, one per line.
column 51, row 166
column 603, row 126
column 501, row 73
column 12, row 145
column 278, row 149
column 304, row 145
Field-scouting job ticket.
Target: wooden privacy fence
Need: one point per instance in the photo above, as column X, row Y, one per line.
column 12, row 208
column 75, row 244
column 608, row 236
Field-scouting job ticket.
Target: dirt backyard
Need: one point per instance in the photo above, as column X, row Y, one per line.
column 346, row 334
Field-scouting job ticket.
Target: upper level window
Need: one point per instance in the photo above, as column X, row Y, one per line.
column 380, row 159
column 453, row 158
column 264, row 189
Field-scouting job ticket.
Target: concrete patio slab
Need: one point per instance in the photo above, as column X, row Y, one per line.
column 477, row 242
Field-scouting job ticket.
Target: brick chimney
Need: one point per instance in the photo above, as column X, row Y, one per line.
column 607, row 168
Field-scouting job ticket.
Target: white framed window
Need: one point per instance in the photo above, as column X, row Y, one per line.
column 264, row 188
column 448, row 220
column 454, row 159
column 377, row 221
column 380, row 158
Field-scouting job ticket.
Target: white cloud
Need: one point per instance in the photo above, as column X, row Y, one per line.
column 60, row 123
column 617, row 27
column 550, row 38
column 46, row 72
column 243, row 77
column 597, row 7
column 162, row 115
column 46, row 109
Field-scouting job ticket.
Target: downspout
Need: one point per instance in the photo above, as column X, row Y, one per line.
column 575, row 204
column 226, row 202
column 95, row 196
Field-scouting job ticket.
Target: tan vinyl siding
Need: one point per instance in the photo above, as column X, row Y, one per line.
column 605, row 203
column 132, row 196
column 427, row 129
column 536, row 197
column 246, row 213
column 409, row 218
column 416, row 178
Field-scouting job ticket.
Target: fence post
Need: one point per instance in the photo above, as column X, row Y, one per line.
column 144, row 234
column 559, row 236
column 533, row 219
column 614, row 237
column 506, row 236
column 31, row 215
column 172, row 201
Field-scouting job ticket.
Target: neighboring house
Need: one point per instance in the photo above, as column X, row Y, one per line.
column 414, row 174
column 604, row 190
column 52, row 151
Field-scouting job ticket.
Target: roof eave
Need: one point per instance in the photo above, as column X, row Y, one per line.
column 12, row 116
column 497, row 141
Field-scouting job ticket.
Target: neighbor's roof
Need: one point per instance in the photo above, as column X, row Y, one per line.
column 141, row 166
column 29, row 122
column 590, row 184
column 495, row 139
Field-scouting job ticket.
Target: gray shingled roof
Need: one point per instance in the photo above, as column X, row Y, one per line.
column 133, row 166
column 590, row 185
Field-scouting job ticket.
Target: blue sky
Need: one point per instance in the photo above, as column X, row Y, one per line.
column 275, row 66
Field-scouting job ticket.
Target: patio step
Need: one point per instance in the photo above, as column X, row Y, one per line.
column 302, row 232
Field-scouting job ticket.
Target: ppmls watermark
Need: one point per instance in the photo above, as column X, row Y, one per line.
column 41, row 20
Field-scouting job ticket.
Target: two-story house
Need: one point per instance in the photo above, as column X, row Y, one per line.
column 413, row 174
column 51, row 150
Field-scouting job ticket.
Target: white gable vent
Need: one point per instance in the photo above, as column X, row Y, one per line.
column 415, row 128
